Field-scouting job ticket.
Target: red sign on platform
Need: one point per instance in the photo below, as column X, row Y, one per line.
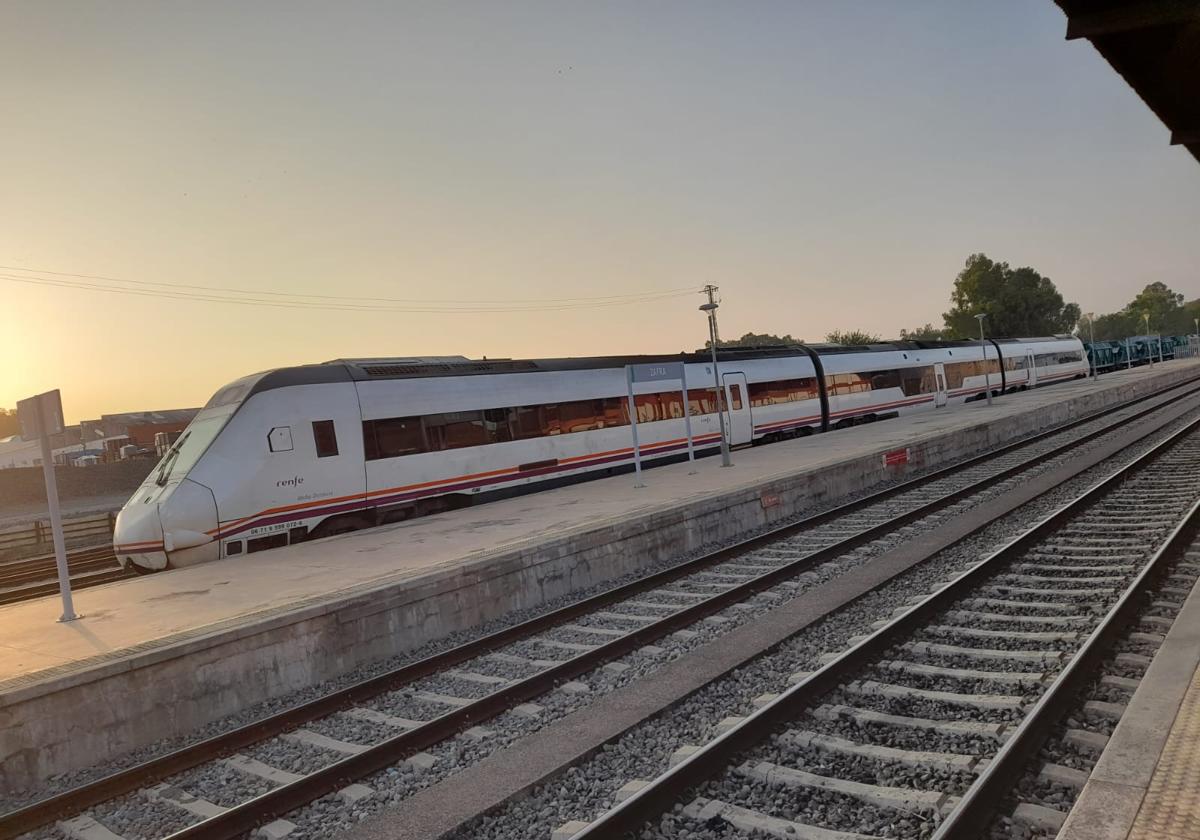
column 770, row 500
column 895, row 457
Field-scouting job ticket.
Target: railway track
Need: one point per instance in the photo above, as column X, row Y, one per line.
column 404, row 719
column 923, row 727
column 35, row 577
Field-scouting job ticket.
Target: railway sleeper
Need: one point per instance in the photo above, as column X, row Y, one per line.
column 1022, row 635
column 936, row 649
column 1019, row 678
column 1052, row 620
column 995, row 731
column 749, row 821
column 904, row 799
column 952, row 762
column 86, row 828
column 871, row 688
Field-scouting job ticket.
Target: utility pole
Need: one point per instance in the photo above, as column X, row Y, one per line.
column 1149, row 349
column 711, row 309
column 987, row 379
column 1092, row 334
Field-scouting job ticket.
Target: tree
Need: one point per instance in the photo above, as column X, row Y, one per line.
column 926, row 333
column 1169, row 315
column 849, row 337
column 8, row 423
column 757, row 340
column 1018, row 302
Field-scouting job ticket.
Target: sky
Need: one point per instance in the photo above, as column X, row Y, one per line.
column 827, row 165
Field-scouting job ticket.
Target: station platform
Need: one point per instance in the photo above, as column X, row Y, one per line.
column 1146, row 785
column 163, row 655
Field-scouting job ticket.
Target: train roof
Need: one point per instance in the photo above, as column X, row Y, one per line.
column 419, row 367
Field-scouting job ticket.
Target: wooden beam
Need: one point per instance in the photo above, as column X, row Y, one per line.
column 1132, row 16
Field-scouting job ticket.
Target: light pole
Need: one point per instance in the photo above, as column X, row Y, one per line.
column 1092, row 338
column 1149, row 349
column 987, row 380
column 711, row 309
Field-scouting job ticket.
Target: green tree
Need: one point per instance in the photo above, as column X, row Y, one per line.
column 849, row 337
column 926, row 333
column 757, row 340
column 1169, row 315
column 1017, row 301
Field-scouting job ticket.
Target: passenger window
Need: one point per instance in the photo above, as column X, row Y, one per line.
column 279, row 439
column 325, row 437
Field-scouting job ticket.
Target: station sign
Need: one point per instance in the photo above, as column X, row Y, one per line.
column 51, row 414
column 657, row 372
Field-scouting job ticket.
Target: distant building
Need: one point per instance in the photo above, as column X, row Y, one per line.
column 101, row 438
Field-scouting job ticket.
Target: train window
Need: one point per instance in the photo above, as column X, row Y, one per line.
column 526, row 422
column 883, row 379
column 325, row 438
column 496, row 423
column 392, row 437
column 848, row 383
column 455, row 430
column 580, row 416
column 782, row 391
column 917, row 380
column 233, row 547
column 702, row 401
column 736, row 391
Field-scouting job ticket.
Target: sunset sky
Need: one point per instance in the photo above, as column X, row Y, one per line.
column 829, row 165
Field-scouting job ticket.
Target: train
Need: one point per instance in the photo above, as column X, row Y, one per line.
column 1118, row 354
column 299, row 453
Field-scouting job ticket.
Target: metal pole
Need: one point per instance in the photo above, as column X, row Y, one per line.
column 1149, row 349
column 987, row 380
column 637, row 452
column 687, row 415
column 56, row 530
column 1092, row 335
column 1128, row 354
column 712, row 331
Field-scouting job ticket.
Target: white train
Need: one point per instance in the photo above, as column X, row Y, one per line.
column 299, row 453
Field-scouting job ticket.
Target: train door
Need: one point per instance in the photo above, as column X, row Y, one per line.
column 737, row 403
column 1032, row 369
column 939, row 377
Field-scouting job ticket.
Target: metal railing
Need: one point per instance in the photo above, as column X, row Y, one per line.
column 34, row 538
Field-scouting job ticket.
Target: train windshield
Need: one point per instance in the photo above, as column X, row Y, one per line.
column 191, row 445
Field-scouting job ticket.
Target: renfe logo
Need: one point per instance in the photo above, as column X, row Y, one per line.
column 294, row 481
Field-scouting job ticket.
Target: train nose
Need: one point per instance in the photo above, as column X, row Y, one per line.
column 138, row 535
column 189, row 524
column 175, row 526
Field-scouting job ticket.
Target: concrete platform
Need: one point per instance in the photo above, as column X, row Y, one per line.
column 163, row 655
column 1146, row 785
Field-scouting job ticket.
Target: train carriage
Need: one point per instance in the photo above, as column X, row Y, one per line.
column 304, row 452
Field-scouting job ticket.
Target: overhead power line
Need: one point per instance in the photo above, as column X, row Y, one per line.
column 320, row 302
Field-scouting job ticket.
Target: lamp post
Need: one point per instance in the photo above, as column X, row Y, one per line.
column 987, row 380
column 1149, row 349
column 1092, row 338
column 711, row 309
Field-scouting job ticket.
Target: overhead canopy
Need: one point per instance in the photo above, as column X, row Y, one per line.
column 1155, row 46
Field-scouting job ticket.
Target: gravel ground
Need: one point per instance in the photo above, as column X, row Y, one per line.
column 1057, row 750
column 642, row 753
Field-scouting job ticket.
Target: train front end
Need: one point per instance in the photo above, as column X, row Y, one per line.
column 171, row 520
